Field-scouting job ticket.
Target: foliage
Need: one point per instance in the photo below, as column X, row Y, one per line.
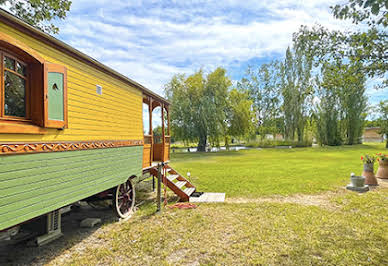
column 383, row 120
column 240, row 116
column 382, row 157
column 371, row 12
column 282, row 93
column 368, row 159
column 38, row 12
column 199, row 106
column 296, row 90
column 372, row 123
column 268, row 143
column 263, row 87
column 341, row 110
column 368, row 45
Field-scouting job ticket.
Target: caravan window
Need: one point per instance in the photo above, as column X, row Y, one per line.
column 14, row 88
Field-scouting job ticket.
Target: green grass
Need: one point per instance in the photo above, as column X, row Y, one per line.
column 253, row 173
column 353, row 233
column 342, row 228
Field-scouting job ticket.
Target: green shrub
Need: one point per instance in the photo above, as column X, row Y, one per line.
column 273, row 143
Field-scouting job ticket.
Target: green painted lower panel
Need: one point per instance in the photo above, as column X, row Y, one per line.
column 34, row 184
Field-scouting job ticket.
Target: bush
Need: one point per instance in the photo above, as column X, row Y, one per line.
column 274, row 143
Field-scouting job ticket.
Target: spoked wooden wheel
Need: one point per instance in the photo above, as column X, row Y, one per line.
column 124, row 199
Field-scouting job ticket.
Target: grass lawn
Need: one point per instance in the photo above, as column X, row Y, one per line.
column 315, row 222
column 253, row 173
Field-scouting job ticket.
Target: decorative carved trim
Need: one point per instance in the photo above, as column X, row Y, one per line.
column 20, row 148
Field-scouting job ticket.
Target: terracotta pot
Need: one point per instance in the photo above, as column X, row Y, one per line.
column 370, row 178
column 382, row 172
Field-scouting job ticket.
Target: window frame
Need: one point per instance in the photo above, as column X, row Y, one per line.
column 27, row 93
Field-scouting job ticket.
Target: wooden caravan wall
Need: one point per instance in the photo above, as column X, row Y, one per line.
column 104, row 138
column 114, row 115
column 35, row 184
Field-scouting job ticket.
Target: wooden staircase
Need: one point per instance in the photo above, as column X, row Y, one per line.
column 175, row 181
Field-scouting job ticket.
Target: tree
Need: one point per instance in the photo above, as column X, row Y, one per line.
column 341, row 111
column 296, row 91
column 240, row 115
column 383, row 120
column 262, row 86
column 367, row 45
column 198, row 106
column 39, row 12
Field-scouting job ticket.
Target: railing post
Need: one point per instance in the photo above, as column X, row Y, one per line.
column 159, row 190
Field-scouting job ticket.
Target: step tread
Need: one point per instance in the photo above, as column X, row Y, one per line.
column 189, row 191
column 172, row 177
column 180, row 184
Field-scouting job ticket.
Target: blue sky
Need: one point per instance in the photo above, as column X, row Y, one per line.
column 149, row 41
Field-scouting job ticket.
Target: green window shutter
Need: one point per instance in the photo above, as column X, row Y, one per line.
column 55, row 96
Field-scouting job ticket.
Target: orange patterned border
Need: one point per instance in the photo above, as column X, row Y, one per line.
column 19, row 148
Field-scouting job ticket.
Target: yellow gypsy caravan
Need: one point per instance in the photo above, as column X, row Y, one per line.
column 70, row 128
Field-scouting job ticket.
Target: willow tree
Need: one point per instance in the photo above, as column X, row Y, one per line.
column 240, row 115
column 199, row 106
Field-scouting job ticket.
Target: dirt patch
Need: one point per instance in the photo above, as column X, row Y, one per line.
column 320, row 200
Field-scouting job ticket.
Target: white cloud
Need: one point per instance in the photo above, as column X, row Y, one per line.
column 149, row 41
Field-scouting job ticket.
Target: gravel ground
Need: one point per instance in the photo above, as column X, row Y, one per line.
column 24, row 254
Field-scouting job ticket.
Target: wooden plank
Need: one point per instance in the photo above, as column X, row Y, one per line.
column 209, row 197
column 180, row 184
column 49, row 189
column 44, row 181
column 188, row 191
column 172, row 177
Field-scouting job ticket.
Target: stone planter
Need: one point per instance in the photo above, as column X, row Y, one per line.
column 382, row 172
column 357, row 181
column 370, row 178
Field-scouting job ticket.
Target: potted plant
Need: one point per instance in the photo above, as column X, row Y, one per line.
column 368, row 172
column 382, row 172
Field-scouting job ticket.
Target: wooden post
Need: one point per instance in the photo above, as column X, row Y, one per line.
column 163, row 135
column 151, row 131
column 168, row 123
column 159, row 190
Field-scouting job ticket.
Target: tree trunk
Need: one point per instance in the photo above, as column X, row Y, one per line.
column 227, row 143
column 202, row 143
column 300, row 135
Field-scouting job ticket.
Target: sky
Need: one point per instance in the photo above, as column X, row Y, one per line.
column 150, row 41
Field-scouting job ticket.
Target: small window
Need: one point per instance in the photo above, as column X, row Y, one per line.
column 14, row 88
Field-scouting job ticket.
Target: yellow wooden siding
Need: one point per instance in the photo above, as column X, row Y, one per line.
column 114, row 115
